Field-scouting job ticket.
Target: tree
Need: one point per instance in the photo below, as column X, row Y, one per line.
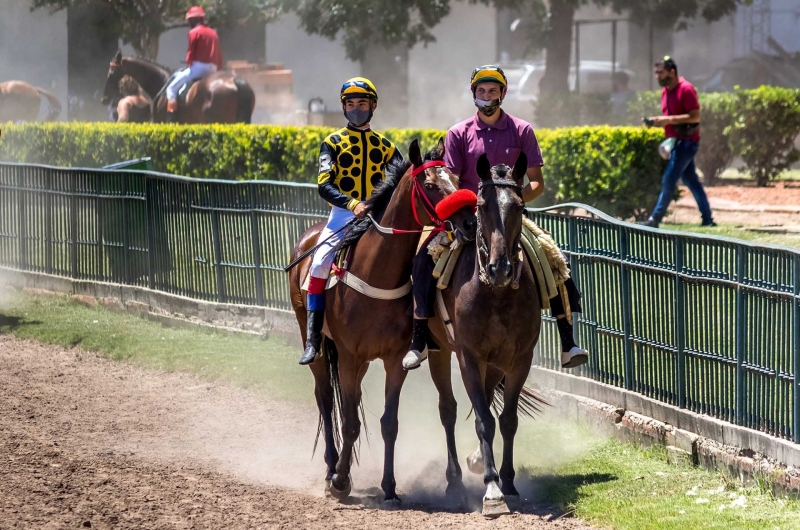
column 549, row 23
column 140, row 23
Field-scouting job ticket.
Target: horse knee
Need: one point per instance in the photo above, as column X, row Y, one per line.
column 448, row 410
column 485, row 427
column 509, row 424
column 389, row 427
column 350, row 430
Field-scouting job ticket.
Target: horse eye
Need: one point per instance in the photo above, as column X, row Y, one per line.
column 429, row 186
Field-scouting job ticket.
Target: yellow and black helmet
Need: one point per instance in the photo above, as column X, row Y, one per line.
column 488, row 73
column 358, row 87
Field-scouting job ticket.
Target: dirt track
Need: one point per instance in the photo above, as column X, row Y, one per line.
column 85, row 442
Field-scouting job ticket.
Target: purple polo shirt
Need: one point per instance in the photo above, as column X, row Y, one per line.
column 502, row 143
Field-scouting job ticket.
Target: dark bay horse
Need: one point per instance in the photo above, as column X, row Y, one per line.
column 496, row 326
column 20, row 101
column 218, row 98
column 360, row 329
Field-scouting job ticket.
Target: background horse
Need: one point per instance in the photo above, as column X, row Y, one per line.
column 359, row 329
column 495, row 326
column 20, row 101
column 217, row 98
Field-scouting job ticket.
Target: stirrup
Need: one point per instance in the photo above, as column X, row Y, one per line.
column 575, row 357
column 413, row 359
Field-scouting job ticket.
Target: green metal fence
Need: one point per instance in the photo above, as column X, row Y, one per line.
column 704, row 323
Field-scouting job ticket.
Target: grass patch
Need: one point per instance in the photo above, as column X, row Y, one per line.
column 624, row 487
column 737, row 232
column 249, row 361
column 735, row 174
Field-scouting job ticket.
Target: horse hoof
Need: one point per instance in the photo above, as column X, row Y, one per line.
column 513, row 502
column 392, row 504
column 475, row 462
column 494, row 504
column 456, row 494
column 341, row 494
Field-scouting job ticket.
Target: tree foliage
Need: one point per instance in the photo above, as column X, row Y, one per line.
column 140, row 23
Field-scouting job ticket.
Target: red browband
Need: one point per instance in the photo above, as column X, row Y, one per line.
column 426, row 165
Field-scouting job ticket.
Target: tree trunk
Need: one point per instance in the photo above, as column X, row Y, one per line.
column 150, row 46
column 559, row 47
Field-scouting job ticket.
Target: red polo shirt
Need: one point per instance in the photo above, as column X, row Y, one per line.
column 204, row 46
column 680, row 100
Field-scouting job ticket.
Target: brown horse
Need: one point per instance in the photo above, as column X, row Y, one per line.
column 217, row 98
column 20, row 101
column 496, row 326
column 360, row 329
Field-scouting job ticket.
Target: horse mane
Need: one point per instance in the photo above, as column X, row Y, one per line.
column 382, row 195
column 148, row 62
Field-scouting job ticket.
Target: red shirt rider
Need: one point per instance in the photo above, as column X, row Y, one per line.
column 204, row 46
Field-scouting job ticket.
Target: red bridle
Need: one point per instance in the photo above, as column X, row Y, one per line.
column 430, row 209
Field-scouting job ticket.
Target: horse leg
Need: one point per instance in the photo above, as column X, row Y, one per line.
column 474, row 375
column 323, row 392
column 439, row 364
column 493, row 378
column 395, row 377
column 350, row 376
column 509, row 421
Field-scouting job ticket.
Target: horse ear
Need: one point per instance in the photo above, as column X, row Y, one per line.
column 118, row 56
column 414, row 153
column 484, row 169
column 520, row 167
column 440, row 149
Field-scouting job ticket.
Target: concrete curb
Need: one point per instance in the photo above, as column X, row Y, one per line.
column 688, row 437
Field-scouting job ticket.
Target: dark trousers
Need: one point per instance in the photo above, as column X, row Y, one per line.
column 424, row 289
column 681, row 167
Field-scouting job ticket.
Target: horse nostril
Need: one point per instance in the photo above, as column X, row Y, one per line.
column 491, row 269
column 469, row 224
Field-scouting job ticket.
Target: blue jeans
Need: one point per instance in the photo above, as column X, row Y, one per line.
column 681, row 165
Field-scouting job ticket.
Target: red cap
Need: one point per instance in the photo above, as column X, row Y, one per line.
column 195, row 12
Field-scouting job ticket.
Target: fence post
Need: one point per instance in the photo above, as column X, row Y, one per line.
column 215, row 235
column 741, row 312
column 73, row 215
column 22, row 229
column 256, row 235
column 573, row 265
column 48, row 222
column 796, row 350
column 680, row 322
column 126, row 262
column 98, row 208
column 627, row 319
column 149, row 200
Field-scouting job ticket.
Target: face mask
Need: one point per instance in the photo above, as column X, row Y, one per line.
column 358, row 118
column 487, row 108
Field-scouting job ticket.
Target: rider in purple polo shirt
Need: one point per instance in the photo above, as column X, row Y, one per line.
column 502, row 138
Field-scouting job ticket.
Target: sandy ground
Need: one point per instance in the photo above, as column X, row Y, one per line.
column 88, row 443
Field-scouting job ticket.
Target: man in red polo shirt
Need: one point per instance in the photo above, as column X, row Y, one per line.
column 203, row 57
column 681, row 120
column 502, row 137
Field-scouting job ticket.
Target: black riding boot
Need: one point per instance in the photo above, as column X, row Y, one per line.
column 172, row 117
column 313, row 336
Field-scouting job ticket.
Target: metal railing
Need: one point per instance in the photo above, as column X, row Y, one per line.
column 705, row 323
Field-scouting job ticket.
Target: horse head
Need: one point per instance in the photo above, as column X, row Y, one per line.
column 437, row 182
column 115, row 72
column 500, row 210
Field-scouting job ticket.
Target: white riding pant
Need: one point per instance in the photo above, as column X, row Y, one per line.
column 196, row 71
column 323, row 257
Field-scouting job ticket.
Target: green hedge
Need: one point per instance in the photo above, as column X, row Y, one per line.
column 615, row 169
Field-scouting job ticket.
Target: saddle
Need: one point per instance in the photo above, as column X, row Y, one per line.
column 181, row 93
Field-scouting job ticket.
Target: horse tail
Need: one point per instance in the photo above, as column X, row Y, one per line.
column 247, row 101
column 331, row 354
column 52, row 101
column 531, row 402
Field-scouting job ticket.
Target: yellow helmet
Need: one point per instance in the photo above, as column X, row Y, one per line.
column 488, row 73
column 358, row 87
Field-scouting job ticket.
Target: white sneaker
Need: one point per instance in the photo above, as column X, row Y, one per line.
column 414, row 358
column 574, row 357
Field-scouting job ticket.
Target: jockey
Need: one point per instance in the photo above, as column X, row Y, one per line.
column 502, row 138
column 351, row 164
column 204, row 57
